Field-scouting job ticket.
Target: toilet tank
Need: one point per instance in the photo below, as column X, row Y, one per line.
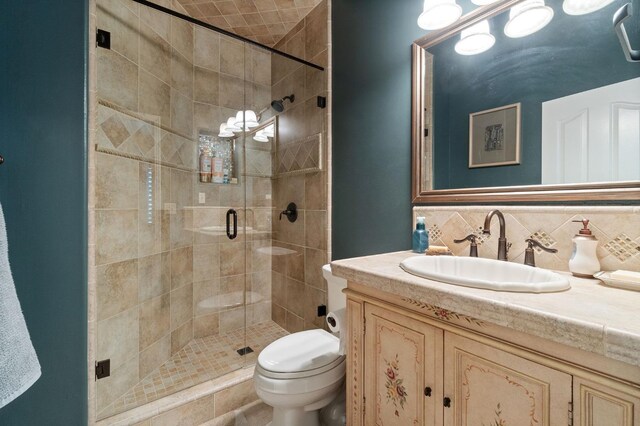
column 335, row 285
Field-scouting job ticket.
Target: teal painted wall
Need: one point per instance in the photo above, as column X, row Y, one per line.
column 529, row 70
column 371, row 113
column 42, row 191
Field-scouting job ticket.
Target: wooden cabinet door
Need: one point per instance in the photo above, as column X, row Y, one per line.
column 403, row 370
column 490, row 387
column 595, row 404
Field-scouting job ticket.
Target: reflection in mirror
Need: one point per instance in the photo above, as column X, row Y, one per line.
column 578, row 115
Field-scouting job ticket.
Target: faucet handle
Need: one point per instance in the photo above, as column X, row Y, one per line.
column 529, row 253
column 473, row 248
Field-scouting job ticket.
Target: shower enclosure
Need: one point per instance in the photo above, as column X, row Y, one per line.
column 201, row 139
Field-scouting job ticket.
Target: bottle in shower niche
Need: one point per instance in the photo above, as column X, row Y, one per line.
column 218, row 165
column 205, row 163
column 420, row 236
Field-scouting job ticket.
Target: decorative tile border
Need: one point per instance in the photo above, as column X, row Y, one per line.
column 616, row 227
column 304, row 156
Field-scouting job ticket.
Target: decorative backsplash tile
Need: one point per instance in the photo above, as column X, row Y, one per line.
column 616, row 228
column 304, row 156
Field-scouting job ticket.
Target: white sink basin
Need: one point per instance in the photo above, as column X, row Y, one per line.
column 485, row 273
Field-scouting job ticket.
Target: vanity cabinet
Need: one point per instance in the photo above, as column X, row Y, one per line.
column 408, row 369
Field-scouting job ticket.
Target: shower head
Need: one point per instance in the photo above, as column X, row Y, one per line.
column 278, row 104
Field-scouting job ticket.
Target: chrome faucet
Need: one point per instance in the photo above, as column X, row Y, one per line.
column 503, row 248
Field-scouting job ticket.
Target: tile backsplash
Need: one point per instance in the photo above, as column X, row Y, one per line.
column 616, row 228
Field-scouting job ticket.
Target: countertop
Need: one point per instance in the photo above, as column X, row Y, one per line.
column 589, row 316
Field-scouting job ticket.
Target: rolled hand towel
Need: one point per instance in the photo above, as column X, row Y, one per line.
column 19, row 366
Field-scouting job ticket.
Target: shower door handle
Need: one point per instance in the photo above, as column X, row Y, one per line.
column 234, row 234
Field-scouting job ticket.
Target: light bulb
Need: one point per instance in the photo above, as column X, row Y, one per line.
column 527, row 18
column 582, row 7
column 438, row 14
column 475, row 39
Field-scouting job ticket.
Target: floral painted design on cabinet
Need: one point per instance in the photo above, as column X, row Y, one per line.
column 396, row 392
column 498, row 421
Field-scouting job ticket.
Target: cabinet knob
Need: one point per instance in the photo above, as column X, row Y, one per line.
column 447, row 402
column 427, row 391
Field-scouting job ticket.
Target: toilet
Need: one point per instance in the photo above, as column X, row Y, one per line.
column 302, row 373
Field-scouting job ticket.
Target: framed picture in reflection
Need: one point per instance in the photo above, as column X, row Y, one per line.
column 494, row 137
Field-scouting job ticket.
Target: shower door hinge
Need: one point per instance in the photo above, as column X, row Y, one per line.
column 103, row 39
column 103, row 369
column 322, row 102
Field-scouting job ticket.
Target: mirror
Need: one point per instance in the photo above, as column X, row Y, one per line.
column 551, row 116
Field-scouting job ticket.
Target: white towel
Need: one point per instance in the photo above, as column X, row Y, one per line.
column 19, row 366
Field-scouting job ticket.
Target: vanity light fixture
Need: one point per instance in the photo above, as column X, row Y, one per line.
column 582, row 7
column 438, row 14
column 248, row 117
column 475, row 39
column 231, row 125
column 527, row 17
column 260, row 137
column 225, row 132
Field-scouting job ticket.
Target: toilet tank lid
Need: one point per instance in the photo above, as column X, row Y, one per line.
column 302, row 351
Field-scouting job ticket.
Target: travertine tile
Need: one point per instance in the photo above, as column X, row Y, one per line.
column 116, row 182
column 206, row 86
column 181, row 305
column 234, row 397
column 118, row 80
column 182, row 37
column 154, row 276
column 120, row 380
column 155, row 317
column 205, row 262
column 181, row 267
column 118, row 337
column 155, row 98
column 193, row 413
column 116, row 235
column 232, row 57
column 232, row 259
column 206, row 52
column 114, row 16
column 154, row 356
column 181, row 336
column 231, row 92
column 314, row 260
column 206, row 325
column 116, row 287
column 315, row 229
column 181, row 113
column 155, row 54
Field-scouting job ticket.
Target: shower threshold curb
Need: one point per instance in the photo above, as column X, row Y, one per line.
column 178, row 399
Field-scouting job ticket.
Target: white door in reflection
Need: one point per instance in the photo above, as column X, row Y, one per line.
column 592, row 136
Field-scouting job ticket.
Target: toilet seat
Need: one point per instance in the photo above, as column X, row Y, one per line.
column 300, row 355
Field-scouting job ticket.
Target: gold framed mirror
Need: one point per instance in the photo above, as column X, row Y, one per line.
column 575, row 168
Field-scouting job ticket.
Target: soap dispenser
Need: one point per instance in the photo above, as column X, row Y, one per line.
column 584, row 260
column 420, row 236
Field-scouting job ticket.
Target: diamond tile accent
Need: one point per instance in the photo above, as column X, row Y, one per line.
column 435, row 233
column 264, row 21
column 544, row 239
column 200, row 360
column 481, row 237
column 115, row 130
column 303, row 156
column 622, row 247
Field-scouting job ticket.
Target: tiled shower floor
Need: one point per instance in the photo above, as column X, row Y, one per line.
column 200, row 360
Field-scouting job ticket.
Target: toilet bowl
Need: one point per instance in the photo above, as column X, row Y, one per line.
column 303, row 372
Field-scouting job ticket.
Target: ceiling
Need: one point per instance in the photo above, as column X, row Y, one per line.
column 264, row 21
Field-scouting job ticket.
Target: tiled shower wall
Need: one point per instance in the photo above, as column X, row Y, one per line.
column 162, row 81
column 297, row 283
column 616, row 228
